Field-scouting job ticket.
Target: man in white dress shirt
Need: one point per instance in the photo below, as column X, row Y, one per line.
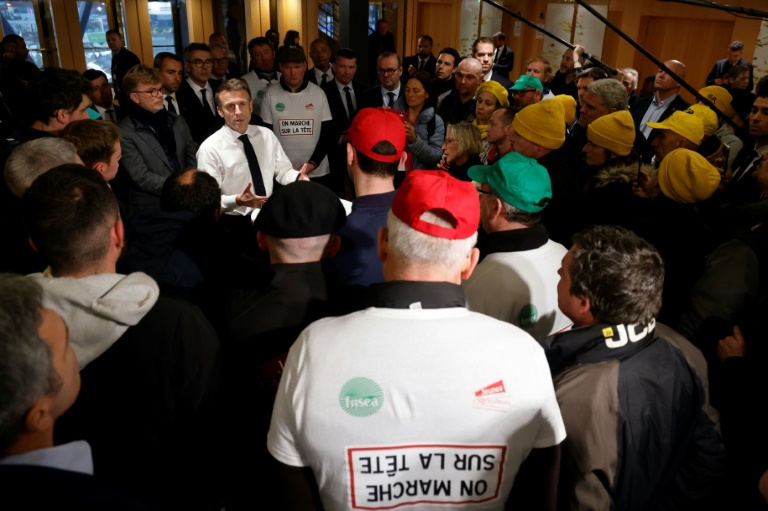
column 224, row 154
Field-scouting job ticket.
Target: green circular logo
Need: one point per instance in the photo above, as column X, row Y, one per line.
column 279, row 107
column 528, row 316
column 361, row 397
column 260, row 94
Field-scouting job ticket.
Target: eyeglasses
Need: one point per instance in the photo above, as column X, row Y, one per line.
column 152, row 92
column 201, row 63
column 215, row 61
column 387, row 71
column 522, row 92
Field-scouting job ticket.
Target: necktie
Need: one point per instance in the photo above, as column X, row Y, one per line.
column 391, row 99
column 253, row 165
column 325, row 79
column 350, row 105
column 749, row 167
column 171, row 108
column 110, row 115
column 421, row 64
column 205, row 100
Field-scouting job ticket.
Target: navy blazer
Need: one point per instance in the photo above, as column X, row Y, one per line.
column 372, row 98
column 506, row 62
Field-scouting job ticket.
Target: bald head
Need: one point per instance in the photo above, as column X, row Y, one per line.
column 469, row 74
column 664, row 84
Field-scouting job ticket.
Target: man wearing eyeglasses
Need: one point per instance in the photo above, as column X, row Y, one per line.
column 389, row 91
column 220, row 69
column 527, row 91
column 155, row 142
column 195, row 94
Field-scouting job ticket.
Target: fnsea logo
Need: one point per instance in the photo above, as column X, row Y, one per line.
column 361, row 397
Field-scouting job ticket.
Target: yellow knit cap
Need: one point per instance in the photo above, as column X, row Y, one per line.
column 569, row 104
column 541, row 124
column 687, row 177
column 684, row 124
column 614, row 132
column 708, row 117
column 496, row 89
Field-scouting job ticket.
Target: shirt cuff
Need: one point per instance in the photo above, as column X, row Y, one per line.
column 228, row 202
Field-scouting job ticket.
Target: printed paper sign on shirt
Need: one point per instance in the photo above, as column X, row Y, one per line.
column 389, row 477
column 293, row 127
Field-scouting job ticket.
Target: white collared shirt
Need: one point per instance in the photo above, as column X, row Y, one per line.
column 319, row 75
column 73, row 456
column 344, row 95
column 173, row 100
column 487, row 77
column 385, row 94
column 208, row 94
column 222, row 156
column 103, row 115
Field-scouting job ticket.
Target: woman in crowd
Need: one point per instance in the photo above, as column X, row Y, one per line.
column 461, row 150
column 424, row 129
column 737, row 77
column 488, row 97
column 291, row 40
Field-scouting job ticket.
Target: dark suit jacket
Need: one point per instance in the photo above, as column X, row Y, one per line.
column 341, row 121
column 121, row 64
column 506, row 62
column 372, row 98
column 496, row 77
column 639, row 110
column 310, row 76
column 59, row 489
column 202, row 123
column 722, row 66
column 413, row 60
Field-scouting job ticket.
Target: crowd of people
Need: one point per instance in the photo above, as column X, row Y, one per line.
column 290, row 287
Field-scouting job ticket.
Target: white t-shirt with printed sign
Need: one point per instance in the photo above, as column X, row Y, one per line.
column 407, row 407
column 296, row 119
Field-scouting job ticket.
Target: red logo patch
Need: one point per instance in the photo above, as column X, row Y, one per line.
column 492, row 389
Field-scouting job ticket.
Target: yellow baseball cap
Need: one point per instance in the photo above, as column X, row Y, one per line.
column 684, row 124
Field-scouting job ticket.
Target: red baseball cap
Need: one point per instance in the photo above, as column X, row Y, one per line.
column 373, row 125
column 438, row 191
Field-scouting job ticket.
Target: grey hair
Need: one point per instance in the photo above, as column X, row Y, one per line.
column 26, row 363
column 620, row 273
column 36, row 157
column 415, row 247
column 612, row 92
column 513, row 214
column 634, row 74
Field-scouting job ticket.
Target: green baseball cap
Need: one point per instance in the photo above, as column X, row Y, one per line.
column 519, row 181
column 526, row 81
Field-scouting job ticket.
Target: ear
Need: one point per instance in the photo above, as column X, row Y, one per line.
column 39, row 417
column 383, row 240
column 32, row 244
column 351, row 156
column 334, row 244
column 134, row 97
column 403, row 159
column 118, row 234
column 470, row 263
column 217, row 214
column 61, row 116
column 100, row 167
column 218, row 109
column 262, row 241
column 497, row 210
column 612, row 110
column 583, row 311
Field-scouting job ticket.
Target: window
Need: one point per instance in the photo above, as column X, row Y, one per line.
column 94, row 24
column 163, row 27
column 20, row 18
